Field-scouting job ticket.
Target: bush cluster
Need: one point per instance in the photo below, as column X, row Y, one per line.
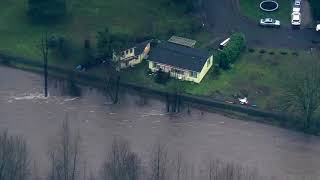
column 232, row 51
column 162, row 77
column 315, row 5
column 46, row 10
column 60, row 45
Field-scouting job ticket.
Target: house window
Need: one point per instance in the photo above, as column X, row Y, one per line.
column 193, row 74
column 177, row 71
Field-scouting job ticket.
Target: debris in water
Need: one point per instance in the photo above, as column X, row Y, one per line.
column 71, row 99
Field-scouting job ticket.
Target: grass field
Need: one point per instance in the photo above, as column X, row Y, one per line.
column 251, row 9
column 258, row 75
column 85, row 17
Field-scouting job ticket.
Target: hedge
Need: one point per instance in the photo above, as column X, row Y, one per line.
column 232, row 51
column 315, row 5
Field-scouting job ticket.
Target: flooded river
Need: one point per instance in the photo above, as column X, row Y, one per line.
column 24, row 111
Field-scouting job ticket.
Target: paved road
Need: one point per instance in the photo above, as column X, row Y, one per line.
column 224, row 17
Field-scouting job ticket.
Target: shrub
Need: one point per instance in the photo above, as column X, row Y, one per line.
column 251, row 50
column 315, row 6
column 283, row 52
column 295, row 53
column 222, row 61
column 262, row 51
column 60, row 45
column 162, row 77
column 232, row 51
column 216, row 71
column 5, row 62
column 87, row 44
column 108, row 43
column 271, row 53
column 52, row 42
column 46, row 10
column 148, row 71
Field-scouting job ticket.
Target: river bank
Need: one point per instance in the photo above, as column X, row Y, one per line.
column 280, row 119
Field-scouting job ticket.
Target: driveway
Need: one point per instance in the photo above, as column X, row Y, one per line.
column 223, row 17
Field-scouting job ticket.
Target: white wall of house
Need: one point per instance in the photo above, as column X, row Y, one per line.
column 183, row 74
column 136, row 58
column 205, row 69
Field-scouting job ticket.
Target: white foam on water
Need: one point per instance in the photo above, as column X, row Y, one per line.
column 153, row 114
column 31, row 96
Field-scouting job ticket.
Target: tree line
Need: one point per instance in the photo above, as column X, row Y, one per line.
column 315, row 6
column 121, row 163
column 44, row 10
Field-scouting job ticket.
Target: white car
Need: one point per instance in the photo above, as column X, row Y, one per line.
column 318, row 27
column 296, row 9
column 296, row 18
column 297, row 3
column 269, row 22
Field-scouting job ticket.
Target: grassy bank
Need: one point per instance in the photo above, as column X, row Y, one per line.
column 259, row 74
column 251, row 9
column 136, row 18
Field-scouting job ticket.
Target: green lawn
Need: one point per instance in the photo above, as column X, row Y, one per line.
column 85, row 17
column 258, row 75
column 251, row 9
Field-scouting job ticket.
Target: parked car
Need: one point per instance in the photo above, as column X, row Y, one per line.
column 269, row 22
column 318, row 27
column 297, row 2
column 296, row 18
column 296, row 9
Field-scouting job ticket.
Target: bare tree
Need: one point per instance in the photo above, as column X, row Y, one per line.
column 45, row 52
column 65, row 156
column 112, row 80
column 302, row 92
column 182, row 170
column 121, row 163
column 219, row 170
column 159, row 163
column 14, row 161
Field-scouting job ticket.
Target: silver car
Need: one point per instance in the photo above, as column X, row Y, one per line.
column 269, row 22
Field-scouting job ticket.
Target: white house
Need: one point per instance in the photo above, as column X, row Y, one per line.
column 132, row 56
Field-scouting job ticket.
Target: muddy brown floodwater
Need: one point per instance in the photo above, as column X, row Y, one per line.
column 24, row 111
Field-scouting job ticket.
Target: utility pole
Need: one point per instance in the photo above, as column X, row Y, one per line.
column 45, row 49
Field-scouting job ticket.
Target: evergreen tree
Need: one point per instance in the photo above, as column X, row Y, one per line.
column 46, row 9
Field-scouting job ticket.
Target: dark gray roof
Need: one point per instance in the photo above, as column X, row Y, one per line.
column 139, row 48
column 179, row 56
